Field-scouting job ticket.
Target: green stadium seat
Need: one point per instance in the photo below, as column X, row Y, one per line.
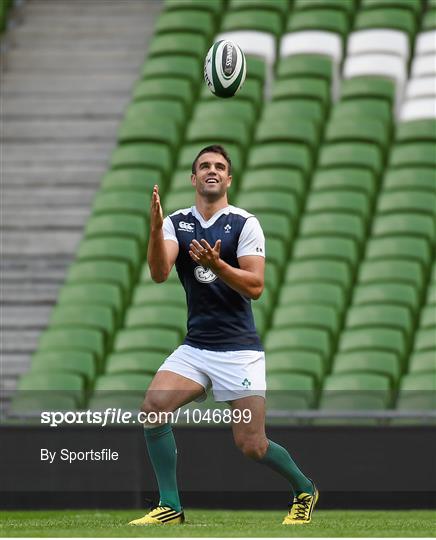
column 382, row 339
column 276, row 179
column 407, row 201
column 315, row 66
column 96, row 317
column 396, row 19
column 178, row 200
column 269, row 201
column 387, row 293
column 120, row 382
column 357, row 129
column 314, row 315
column 167, row 88
column 344, row 179
column 237, row 110
column 279, row 6
column 272, row 276
column 296, row 362
column 324, row 247
column 215, row 7
column 292, row 156
column 422, row 361
column 381, row 363
column 138, row 339
column 359, row 155
column 149, row 129
column 332, row 224
column 370, row 108
column 329, row 271
column 418, row 178
column 391, row 270
column 275, row 225
column 416, row 130
column 407, row 247
column 431, row 294
column 418, row 382
column 172, row 317
column 425, row 339
column 133, row 180
column 111, row 247
column 259, row 318
column 303, row 339
column 128, row 225
column 358, row 382
column 368, row 87
column 347, row 7
column 330, row 20
column 313, row 292
column 261, row 20
column 93, row 292
column 429, row 20
column 355, row 392
column 420, row 154
column 152, row 293
column 145, row 155
column 154, row 109
column 302, row 88
column 380, row 316
column 73, row 338
column 339, row 201
column 428, row 317
column 112, row 202
column 77, row 362
column 185, row 67
column 228, row 130
column 116, row 273
column 287, row 391
column 291, row 109
column 414, row 6
column 277, row 251
column 300, row 131
column 187, row 44
column 123, row 400
column 69, row 384
column 181, row 181
column 134, row 362
column 405, row 224
column 187, row 20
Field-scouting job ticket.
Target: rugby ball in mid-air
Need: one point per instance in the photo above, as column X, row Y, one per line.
column 224, row 68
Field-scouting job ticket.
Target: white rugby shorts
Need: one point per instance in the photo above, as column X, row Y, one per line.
column 231, row 374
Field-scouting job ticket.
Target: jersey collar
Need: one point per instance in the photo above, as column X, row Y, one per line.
column 213, row 219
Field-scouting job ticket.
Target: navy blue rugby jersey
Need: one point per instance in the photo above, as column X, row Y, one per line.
column 219, row 318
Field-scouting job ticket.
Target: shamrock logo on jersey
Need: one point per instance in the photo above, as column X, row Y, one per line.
column 246, row 383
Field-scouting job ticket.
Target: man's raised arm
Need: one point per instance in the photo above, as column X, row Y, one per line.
column 161, row 254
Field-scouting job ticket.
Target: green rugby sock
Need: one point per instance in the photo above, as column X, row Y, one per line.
column 163, row 455
column 279, row 459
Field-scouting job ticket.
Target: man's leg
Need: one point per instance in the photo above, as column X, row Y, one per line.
column 251, row 439
column 167, row 392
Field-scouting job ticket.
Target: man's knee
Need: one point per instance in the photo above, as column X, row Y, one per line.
column 154, row 402
column 252, row 447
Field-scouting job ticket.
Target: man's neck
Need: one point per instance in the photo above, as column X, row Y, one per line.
column 208, row 209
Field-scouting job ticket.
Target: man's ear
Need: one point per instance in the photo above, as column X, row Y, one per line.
column 193, row 180
column 230, row 180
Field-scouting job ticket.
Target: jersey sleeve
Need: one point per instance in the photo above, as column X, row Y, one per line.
column 169, row 232
column 251, row 239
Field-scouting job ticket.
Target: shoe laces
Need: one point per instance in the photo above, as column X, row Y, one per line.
column 300, row 507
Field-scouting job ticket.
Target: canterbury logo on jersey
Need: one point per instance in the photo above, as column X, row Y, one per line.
column 187, row 227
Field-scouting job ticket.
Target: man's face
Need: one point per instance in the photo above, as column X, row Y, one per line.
column 211, row 179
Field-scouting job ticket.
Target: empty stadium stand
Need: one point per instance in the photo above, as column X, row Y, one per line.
column 332, row 139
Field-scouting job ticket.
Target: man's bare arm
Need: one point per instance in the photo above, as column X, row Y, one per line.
column 161, row 254
column 247, row 280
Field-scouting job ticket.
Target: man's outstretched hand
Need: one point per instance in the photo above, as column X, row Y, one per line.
column 202, row 253
column 156, row 213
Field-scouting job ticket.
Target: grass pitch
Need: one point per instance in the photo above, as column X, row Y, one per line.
column 219, row 523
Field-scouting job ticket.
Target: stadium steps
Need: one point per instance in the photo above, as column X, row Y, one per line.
column 67, row 72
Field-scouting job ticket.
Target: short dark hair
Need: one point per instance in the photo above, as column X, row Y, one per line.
column 217, row 149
